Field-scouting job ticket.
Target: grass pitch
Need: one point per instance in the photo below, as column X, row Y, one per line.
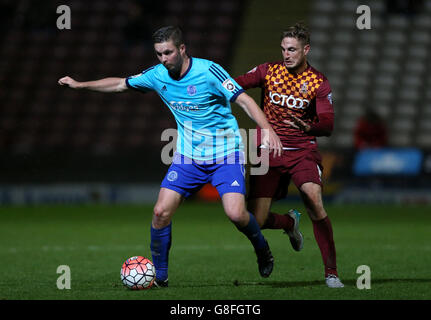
column 209, row 258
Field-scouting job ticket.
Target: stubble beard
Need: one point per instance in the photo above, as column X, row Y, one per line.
column 294, row 68
column 175, row 69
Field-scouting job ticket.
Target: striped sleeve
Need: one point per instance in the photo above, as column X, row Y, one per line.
column 142, row 81
column 223, row 83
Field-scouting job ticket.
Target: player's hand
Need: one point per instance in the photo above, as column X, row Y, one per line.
column 271, row 140
column 68, row 81
column 298, row 124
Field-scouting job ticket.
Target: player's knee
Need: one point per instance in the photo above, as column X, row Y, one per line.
column 158, row 210
column 160, row 213
column 160, row 218
column 238, row 216
column 312, row 193
column 315, row 208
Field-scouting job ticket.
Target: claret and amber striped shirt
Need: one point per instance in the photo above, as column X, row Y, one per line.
column 307, row 95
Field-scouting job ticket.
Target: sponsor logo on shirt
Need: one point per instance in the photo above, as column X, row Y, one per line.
column 288, row 101
column 183, row 105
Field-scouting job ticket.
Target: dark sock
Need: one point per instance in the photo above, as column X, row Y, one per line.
column 253, row 233
column 161, row 240
column 324, row 237
column 278, row 221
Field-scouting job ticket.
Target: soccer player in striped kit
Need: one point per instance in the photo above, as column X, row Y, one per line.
column 297, row 101
column 198, row 92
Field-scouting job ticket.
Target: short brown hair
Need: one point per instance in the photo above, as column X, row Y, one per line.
column 169, row 33
column 299, row 31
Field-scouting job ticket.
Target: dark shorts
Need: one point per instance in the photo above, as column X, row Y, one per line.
column 300, row 166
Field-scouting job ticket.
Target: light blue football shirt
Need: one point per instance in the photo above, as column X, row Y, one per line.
column 200, row 103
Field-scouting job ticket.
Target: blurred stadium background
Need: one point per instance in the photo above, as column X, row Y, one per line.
column 80, row 171
column 62, row 146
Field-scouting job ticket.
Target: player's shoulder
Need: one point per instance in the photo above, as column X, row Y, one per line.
column 274, row 64
column 148, row 70
column 157, row 68
column 324, row 86
column 211, row 69
column 205, row 66
column 319, row 74
column 264, row 67
column 271, row 67
column 202, row 63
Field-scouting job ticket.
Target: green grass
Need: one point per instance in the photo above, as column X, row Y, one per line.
column 208, row 254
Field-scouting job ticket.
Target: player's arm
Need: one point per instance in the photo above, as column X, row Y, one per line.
column 325, row 114
column 255, row 113
column 253, row 78
column 323, row 127
column 102, row 85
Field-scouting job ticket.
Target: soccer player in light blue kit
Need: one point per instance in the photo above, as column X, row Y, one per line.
column 209, row 147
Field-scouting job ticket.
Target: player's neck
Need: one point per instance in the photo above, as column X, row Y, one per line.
column 299, row 69
column 186, row 65
column 184, row 68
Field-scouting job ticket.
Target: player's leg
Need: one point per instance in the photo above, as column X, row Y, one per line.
column 234, row 206
column 260, row 208
column 307, row 177
column 265, row 188
column 229, row 179
column 161, row 232
column 167, row 203
column 311, row 194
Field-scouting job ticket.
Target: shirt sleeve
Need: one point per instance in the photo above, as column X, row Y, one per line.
column 324, row 98
column 221, row 82
column 254, row 78
column 143, row 81
column 324, row 111
column 324, row 126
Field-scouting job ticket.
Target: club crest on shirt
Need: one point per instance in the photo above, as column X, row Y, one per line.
column 304, row 88
column 228, row 85
column 191, row 90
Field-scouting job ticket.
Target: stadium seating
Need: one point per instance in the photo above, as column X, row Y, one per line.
column 384, row 68
column 106, row 39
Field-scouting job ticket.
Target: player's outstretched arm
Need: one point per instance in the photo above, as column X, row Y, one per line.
column 102, row 85
column 254, row 112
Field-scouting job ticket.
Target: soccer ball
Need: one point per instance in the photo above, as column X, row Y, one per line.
column 138, row 273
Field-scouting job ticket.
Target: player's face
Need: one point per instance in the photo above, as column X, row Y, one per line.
column 170, row 56
column 294, row 53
